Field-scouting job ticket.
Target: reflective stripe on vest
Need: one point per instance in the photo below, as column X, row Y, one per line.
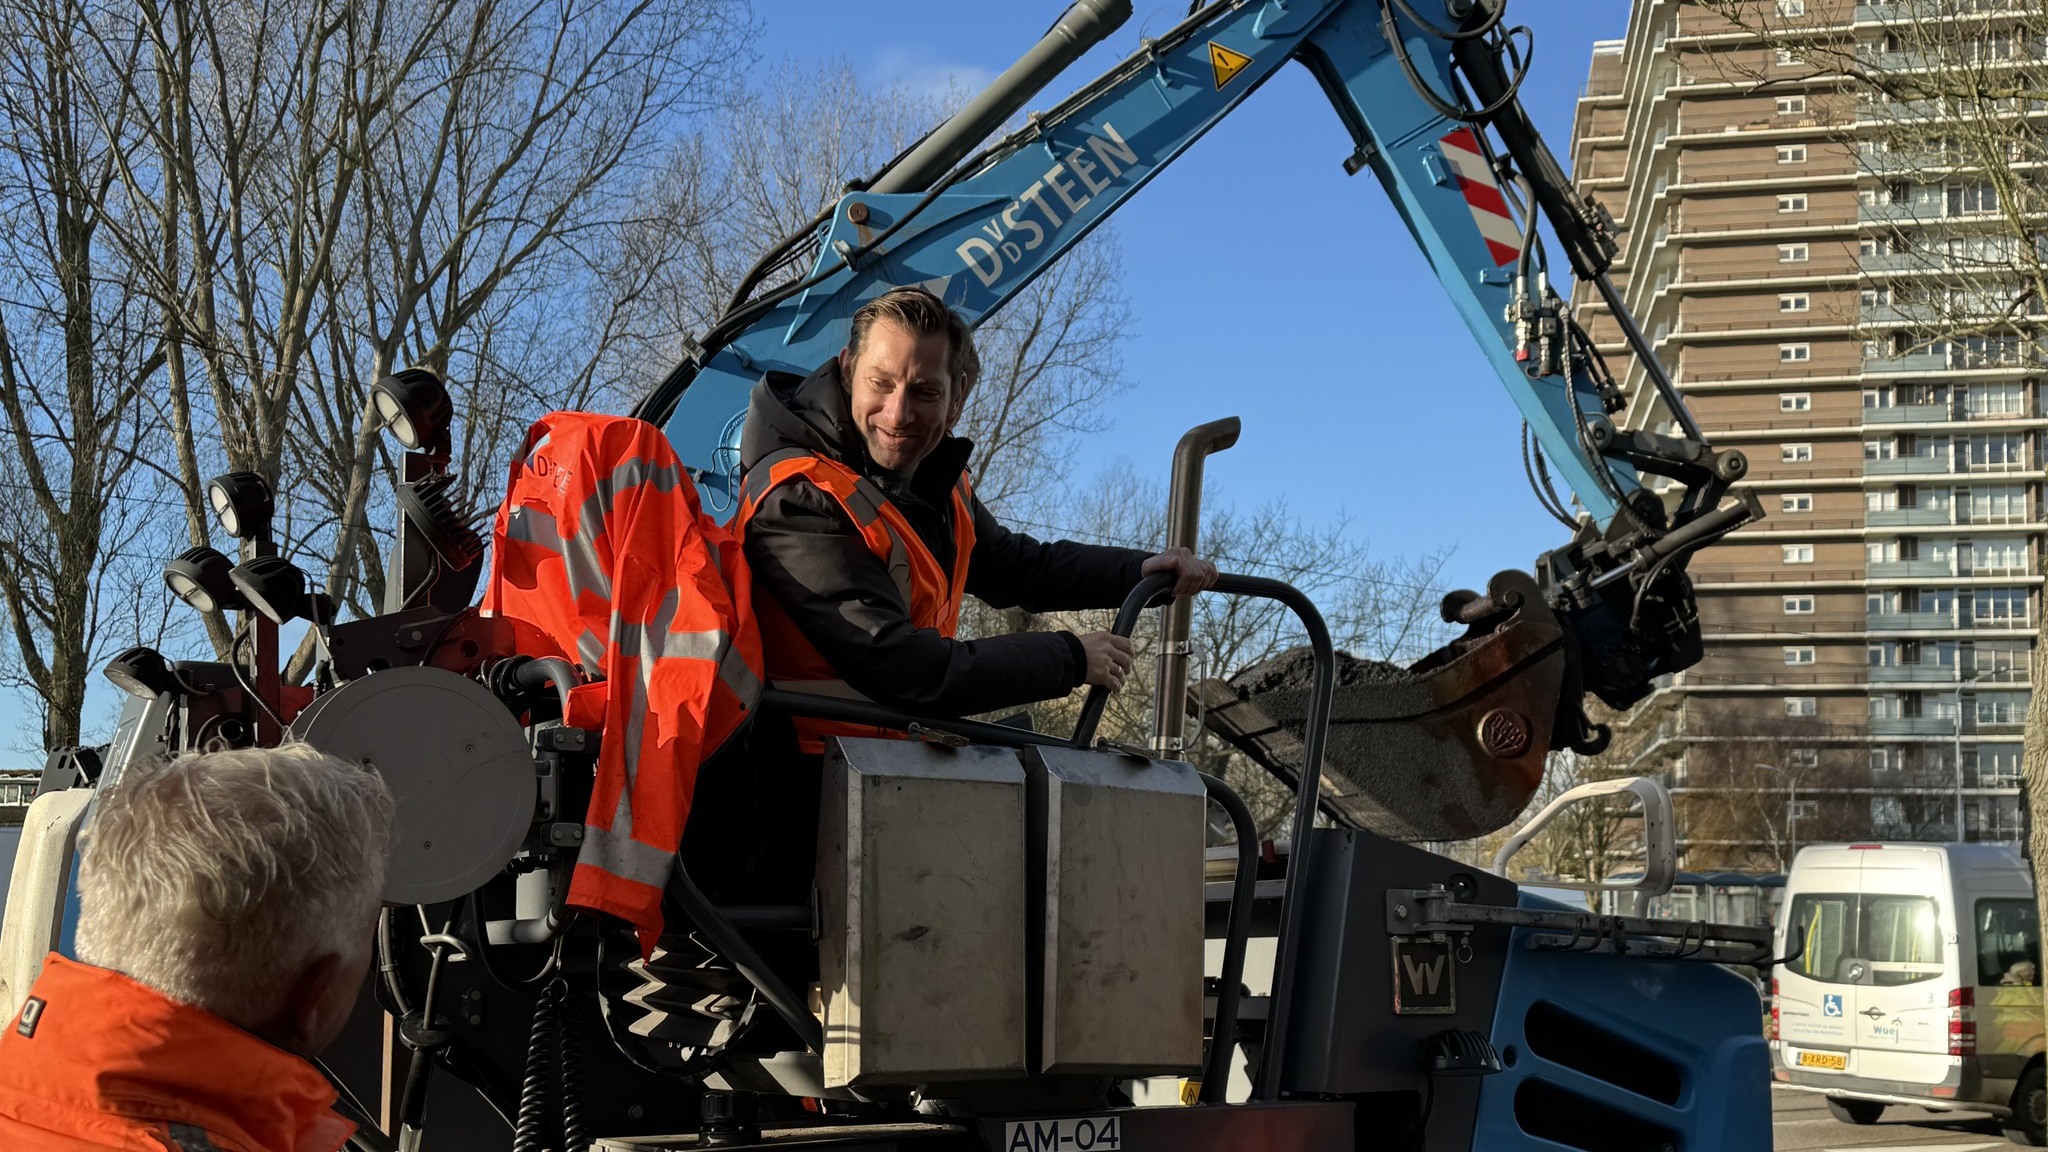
column 930, row 596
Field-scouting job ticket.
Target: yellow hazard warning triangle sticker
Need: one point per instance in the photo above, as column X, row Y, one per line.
column 1226, row 63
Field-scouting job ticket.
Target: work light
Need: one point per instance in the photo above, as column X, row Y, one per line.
column 413, row 404
column 201, row 577
column 273, row 586
column 142, row 671
column 242, row 504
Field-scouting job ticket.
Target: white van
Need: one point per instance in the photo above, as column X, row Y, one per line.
column 1914, row 978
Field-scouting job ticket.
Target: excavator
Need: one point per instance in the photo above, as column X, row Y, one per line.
column 1021, row 941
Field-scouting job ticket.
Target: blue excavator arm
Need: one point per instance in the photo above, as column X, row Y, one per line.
column 1429, row 101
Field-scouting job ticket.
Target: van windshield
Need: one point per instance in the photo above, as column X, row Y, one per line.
column 1846, row 938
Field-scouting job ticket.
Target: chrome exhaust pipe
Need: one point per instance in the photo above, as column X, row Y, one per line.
column 1183, row 529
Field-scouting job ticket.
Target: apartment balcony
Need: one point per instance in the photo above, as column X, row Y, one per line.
column 1999, row 623
column 1976, row 518
column 1888, row 164
column 1900, row 11
column 1900, row 262
column 1910, row 569
column 1895, row 61
column 1907, row 517
column 1928, row 360
column 1909, row 621
column 1910, row 414
column 1911, row 466
column 1915, row 674
column 1912, row 726
column 1943, row 621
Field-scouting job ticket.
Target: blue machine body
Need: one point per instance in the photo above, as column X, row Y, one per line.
column 1650, row 1052
column 1034, row 196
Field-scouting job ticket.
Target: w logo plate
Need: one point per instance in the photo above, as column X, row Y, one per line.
column 1424, row 978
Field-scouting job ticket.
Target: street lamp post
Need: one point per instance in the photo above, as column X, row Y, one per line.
column 1962, row 682
column 1791, row 807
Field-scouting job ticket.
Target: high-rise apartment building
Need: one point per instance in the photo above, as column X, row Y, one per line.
column 1868, row 642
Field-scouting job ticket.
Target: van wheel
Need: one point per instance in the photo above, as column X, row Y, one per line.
column 1855, row 1111
column 2028, row 1123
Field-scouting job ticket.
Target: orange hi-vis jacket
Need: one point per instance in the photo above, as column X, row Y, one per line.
column 605, row 559
column 95, row 1060
column 933, row 597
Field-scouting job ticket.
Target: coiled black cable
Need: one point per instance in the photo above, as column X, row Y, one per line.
column 574, row 1133
column 551, row 1039
column 528, row 1134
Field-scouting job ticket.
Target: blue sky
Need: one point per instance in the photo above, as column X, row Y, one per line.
column 1264, row 284
column 1267, row 284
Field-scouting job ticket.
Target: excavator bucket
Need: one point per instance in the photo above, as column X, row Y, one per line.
column 1447, row 749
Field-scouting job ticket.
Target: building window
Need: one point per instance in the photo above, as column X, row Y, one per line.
column 1803, row 757
column 1795, row 353
column 1796, row 502
column 1971, row 199
column 1795, row 401
column 1874, row 297
column 1791, row 105
column 1791, row 7
column 1791, row 153
column 1801, row 706
column 1796, row 202
column 1794, row 302
column 1795, row 453
column 1798, row 553
column 1784, row 56
column 1799, row 605
column 1799, row 655
column 1792, row 253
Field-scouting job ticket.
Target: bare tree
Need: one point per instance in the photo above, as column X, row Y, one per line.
column 312, row 193
column 77, row 353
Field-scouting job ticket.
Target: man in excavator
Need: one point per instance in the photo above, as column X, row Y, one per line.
column 863, row 533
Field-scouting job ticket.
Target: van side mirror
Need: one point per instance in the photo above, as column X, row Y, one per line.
column 1660, row 846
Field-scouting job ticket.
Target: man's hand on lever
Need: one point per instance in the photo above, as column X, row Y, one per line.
column 1191, row 573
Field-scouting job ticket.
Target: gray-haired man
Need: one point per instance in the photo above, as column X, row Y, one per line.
column 226, row 906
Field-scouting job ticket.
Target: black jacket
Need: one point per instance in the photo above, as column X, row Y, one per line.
column 807, row 554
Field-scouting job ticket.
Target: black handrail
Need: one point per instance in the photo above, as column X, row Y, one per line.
column 1308, row 786
column 1134, row 606
column 1308, row 792
column 1230, row 983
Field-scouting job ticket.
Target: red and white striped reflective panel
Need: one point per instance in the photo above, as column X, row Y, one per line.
column 1482, row 195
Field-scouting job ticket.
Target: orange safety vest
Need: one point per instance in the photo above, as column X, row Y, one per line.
column 95, row 1060
column 604, row 558
column 933, row 599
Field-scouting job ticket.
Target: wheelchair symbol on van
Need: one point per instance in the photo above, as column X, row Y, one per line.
column 1830, row 1005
